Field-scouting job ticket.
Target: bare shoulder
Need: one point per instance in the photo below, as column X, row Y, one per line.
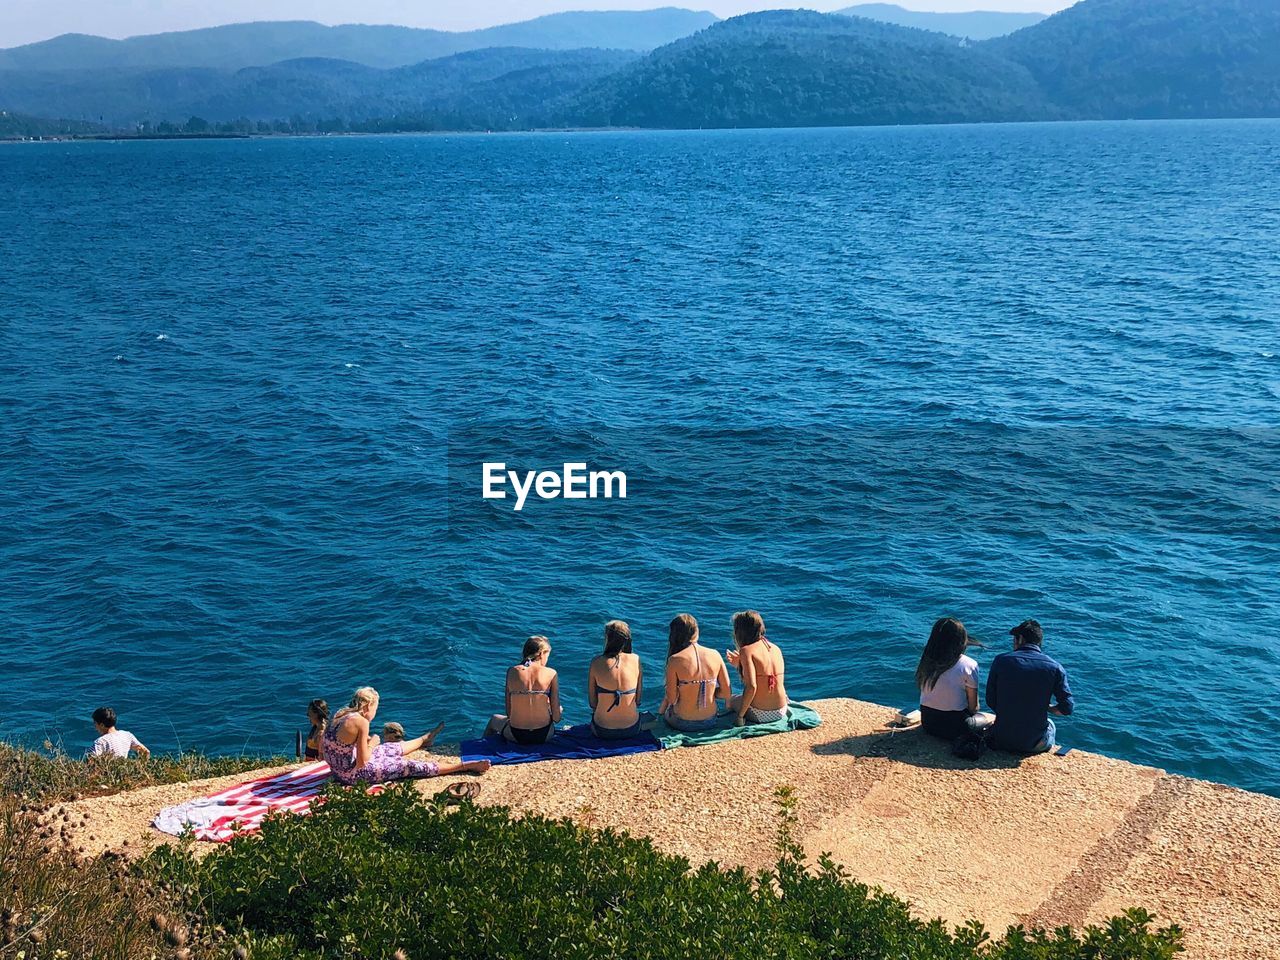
column 351, row 727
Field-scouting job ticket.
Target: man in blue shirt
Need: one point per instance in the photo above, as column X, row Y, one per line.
column 1020, row 688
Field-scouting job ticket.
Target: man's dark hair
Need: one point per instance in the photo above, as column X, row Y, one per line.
column 105, row 716
column 1028, row 631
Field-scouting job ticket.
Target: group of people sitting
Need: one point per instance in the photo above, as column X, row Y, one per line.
column 1025, row 686
column 696, row 683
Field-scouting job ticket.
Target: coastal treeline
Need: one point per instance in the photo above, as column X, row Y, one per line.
column 1099, row 59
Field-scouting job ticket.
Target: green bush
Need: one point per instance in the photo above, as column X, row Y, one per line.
column 366, row 876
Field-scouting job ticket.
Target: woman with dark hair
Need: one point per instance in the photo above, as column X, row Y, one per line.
column 948, row 682
column 696, row 679
column 615, row 684
column 760, row 664
column 532, row 697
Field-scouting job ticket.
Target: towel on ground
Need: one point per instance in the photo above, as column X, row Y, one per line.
column 799, row 717
column 241, row 809
column 574, row 743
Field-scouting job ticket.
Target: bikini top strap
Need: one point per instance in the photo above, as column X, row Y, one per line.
column 530, row 691
column 772, row 679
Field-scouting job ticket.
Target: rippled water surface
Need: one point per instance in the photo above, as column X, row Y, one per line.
column 857, row 378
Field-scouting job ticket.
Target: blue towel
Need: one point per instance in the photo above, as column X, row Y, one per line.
column 575, row 743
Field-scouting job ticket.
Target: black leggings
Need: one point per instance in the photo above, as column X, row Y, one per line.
column 944, row 724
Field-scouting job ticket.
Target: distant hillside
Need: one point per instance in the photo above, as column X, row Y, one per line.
column 797, row 68
column 1156, row 58
column 975, row 24
column 499, row 88
column 257, row 44
column 1098, row 59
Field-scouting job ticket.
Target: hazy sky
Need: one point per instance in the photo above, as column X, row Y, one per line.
column 25, row 21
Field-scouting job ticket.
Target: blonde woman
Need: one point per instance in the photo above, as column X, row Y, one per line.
column 532, row 697
column 356, row 756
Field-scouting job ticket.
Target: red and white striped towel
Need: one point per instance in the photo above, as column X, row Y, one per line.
column 241, row 809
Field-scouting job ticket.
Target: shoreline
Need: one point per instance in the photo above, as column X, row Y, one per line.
column 109, row 137
column 1045, row 840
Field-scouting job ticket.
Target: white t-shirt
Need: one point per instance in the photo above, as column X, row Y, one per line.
column 117, row 743
column 949, row 692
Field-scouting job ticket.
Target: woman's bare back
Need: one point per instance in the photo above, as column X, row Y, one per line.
column 621, row 674
column 531, row 691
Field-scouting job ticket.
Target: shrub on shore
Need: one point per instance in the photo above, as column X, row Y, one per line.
column 368, row 876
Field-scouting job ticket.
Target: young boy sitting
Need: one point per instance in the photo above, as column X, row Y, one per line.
column 113, row 742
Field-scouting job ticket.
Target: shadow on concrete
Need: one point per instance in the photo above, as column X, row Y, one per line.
column 914, row 747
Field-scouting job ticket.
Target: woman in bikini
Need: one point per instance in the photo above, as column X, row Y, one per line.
column 532, row 696
column 696, row 679
column 615, row 684
column 759, row 662
column 354, row 756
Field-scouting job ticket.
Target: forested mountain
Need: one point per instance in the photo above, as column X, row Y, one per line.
column 1098, row 59
column 493, row 88
column 1155, row 58
column 798, row 68
column 257, row 44
column 974, row 24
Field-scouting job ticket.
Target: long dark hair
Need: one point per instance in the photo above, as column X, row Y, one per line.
column 748, row 627
column 617, row 638
column 318, row 710
column 947, row 641
column 681, row 633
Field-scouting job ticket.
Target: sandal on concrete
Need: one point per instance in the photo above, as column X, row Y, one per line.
column 463, row 790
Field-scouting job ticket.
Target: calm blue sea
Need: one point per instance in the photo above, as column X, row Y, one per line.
column 858, row 379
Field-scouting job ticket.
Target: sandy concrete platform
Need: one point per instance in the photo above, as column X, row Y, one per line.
column 1046, row 840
